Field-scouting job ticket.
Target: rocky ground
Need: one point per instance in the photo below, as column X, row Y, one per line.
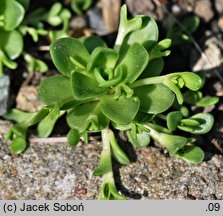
column 56, row 171
column 53, row 170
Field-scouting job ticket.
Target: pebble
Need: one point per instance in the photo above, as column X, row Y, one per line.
column 220, row 23
column 29, row 176
column 28, row 100
column 203, row 9
column 95, row 21
column 4, row 93
column 219, row 6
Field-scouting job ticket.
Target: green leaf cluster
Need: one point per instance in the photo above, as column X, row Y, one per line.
column 99, row 88
column 16, row 21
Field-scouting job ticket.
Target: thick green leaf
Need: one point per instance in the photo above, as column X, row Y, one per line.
column 55, row 89
column 117, row 152
column 13, row 13
column 84, row 87
column 109, row 192
column 207, row 101
column 191, row 154
column 53, row 16
column 113, row 79
column 80, row 5
column 104, row 164
column 172, row 142
column 39, row 116
column 134, row 62
column 159, row 50
column 154, row 68
column 164, row 44
column 191, row 23
column 141, row 139
column 206, row 121
column 121, row 110
column 190, row 122
column 102, row 57
column 174, row 88
column 147, row 35
column 18, row 145
column 173, row 118
column 92, row 42
column 24, row 3
column 191, row 80
column 68, row 54
column 18, row 130
column 18, row 115
column 45, row 127
column 87, row 117
column 126, row 26
column 155, row 98
column 192, row 97
column 11, row 43
column 73, row 137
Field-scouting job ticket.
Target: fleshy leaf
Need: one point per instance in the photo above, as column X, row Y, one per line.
column 102, row 57
column 191, row 23
column 141, row 139
column 134, row 61
column 104, row 164
column 154, row 68
column 18, row 145
column 191, row 154
column 80, row 5
column 92, row 42
column 155, row 98
column 206, row 121
column 45, row 127
column 117, row 152
column 191, row 80
column 147, row 35
column 68, row 54
column 85, row 87
column 192, row 97
column 173, row 118
column 126, row 26
column 122, row 110
column 159, row 50
column 171, row 142
column 207, row 101
column 13, row 13
column 38, row 116
column 109, row 192
column 87, row 117
column 11, row 43
column 55, row 89
column 73, row 137
column 18, row 115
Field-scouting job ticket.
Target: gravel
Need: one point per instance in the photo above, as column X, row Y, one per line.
column 57, row 171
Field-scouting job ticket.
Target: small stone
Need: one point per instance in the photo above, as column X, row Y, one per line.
column 28, row 100
column 220, row 23
column 6, row 157
column 78, row 22
column 203, row 9
column 212, row 51
column 4, row 93
column 219, row 6
column 144, row 7
column 95, row 21
column 176, row 9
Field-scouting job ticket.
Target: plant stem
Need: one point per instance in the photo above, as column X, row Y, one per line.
column 148, row 81
column 106, row 136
